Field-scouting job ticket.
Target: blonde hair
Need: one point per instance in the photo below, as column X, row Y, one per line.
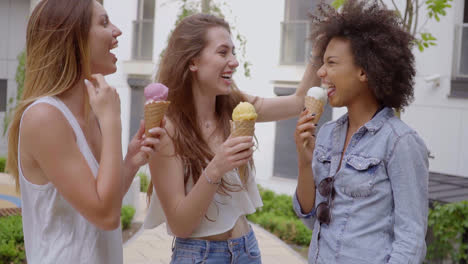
column 57, row 57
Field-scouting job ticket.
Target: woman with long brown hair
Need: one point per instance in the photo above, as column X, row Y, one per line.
column 64, row 147
column 198, row 191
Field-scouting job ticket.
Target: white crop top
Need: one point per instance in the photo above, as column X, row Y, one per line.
column 223, row 211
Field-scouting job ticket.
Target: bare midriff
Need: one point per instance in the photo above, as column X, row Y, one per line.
column 240, row 229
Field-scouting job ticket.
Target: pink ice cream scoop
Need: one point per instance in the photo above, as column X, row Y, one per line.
column 156, row 92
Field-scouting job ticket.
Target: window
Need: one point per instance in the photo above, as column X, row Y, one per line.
column 295, row 31
column 460, row 73
column 3, row 95
column 464, row 45
column 143, row 31
column 462, row 31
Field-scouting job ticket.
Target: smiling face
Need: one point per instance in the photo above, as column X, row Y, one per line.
column 102, row 39
column 346, row 82
column 214, row 67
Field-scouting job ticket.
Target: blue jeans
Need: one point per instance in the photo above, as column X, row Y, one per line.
column 233, row 251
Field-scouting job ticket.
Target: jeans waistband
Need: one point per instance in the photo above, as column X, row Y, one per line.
column 212, row 246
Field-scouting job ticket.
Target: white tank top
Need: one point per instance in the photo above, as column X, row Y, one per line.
column 54, row 232
column 222, row 213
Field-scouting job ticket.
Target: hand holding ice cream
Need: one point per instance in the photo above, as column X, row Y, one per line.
column 155, row 105
column 243, row 124
column 315, row 102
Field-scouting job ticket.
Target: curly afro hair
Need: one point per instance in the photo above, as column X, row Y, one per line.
column 380, row 45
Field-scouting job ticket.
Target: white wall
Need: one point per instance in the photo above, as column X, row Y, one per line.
column 122, row 14
column 165, row 17
column 13, row 21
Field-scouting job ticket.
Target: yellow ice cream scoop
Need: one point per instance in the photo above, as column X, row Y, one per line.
column 244, row 111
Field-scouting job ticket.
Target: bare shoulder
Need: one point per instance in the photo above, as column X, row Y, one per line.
column 47, row 123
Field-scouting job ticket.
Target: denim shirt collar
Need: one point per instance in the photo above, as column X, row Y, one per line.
column 375, row 123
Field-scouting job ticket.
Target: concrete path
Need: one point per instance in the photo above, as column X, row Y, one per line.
column 9, row 198
column 154, row 245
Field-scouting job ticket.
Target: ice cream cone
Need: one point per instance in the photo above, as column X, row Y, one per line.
column 154, row 113
column 314, row 106
column 243, row 128
column 239, row 129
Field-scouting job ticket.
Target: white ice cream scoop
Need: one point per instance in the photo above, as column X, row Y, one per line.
column 318, row 93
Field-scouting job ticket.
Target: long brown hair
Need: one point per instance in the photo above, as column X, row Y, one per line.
column 57, row 57
column 187, row 42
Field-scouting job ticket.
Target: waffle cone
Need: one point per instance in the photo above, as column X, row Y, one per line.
column 154, row 113
column 239, row 129
column 315, row 107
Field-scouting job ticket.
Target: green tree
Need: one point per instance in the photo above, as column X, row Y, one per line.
column 434, row 9
column 217, row 7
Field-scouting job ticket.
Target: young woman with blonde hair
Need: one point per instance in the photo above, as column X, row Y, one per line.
column 64, row 146
column 198, row 191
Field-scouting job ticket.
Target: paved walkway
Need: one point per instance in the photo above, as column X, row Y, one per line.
column 154, row 245
column 9, row 198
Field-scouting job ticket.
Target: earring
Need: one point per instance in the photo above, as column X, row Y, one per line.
column 193, row 67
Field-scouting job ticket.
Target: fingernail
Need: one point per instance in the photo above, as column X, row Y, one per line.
column 87, row 82
column 152, row 130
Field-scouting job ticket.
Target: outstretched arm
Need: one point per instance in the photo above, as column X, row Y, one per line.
column 284, row 107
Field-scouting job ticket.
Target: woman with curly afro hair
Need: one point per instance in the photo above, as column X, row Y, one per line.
column 363, row 181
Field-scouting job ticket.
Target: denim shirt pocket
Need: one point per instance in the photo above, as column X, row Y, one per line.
column 321, row 163
column 359, row 176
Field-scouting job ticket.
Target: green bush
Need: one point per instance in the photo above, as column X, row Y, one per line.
column 126, row 216
column 449, row 226
column 11, row 240
column 143, row 181
column 278, row 217
column 2, row 164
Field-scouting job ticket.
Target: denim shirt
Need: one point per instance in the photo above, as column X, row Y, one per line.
column 379, row 212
